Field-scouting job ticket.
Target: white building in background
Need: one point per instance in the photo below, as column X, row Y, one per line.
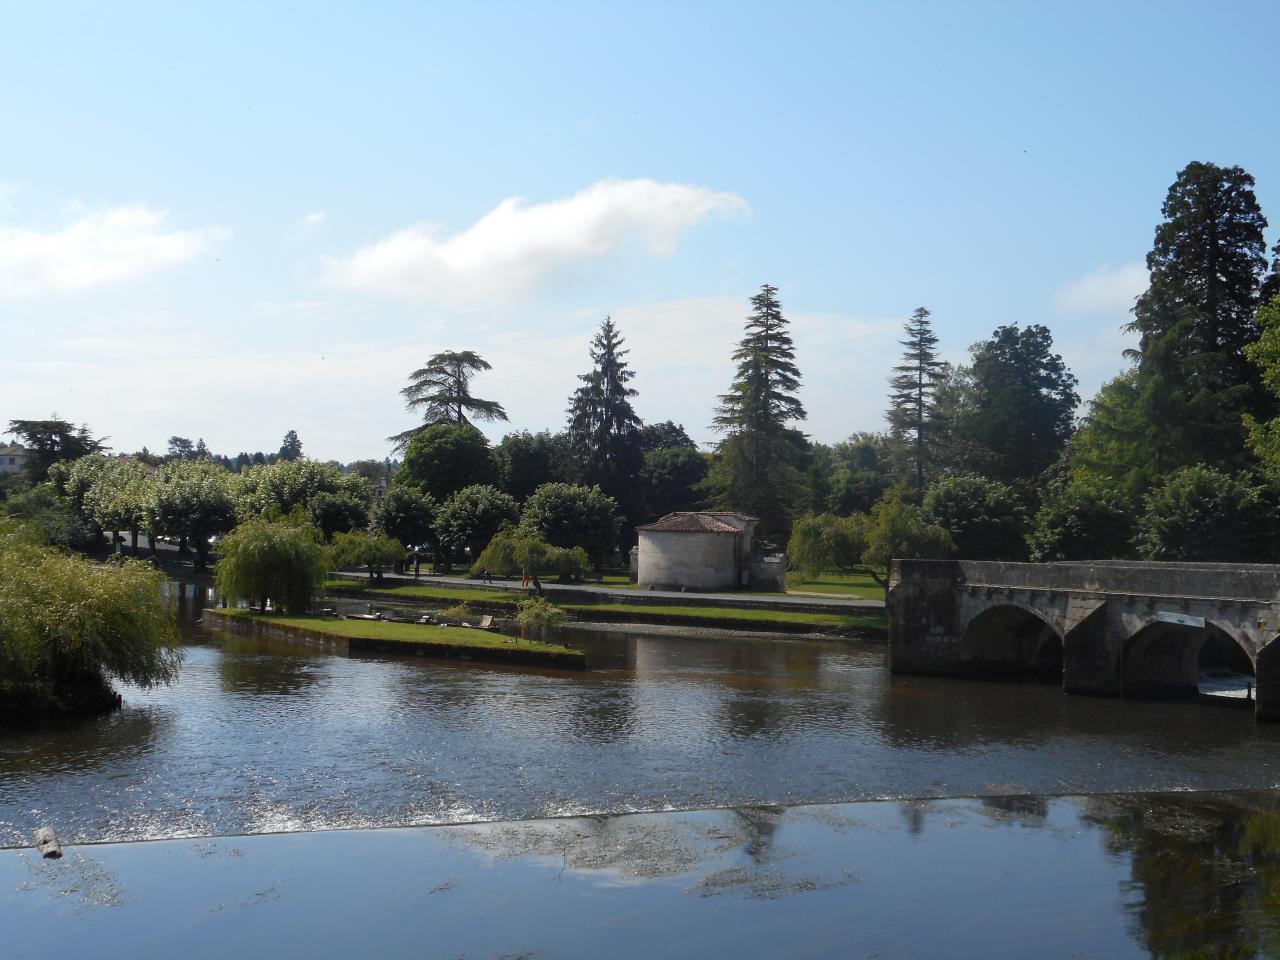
column 704, row 551
column 13, row 458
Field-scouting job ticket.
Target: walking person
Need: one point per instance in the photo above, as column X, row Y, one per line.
column 416, row 561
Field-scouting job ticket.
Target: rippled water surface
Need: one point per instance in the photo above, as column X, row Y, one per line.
column 262, row 735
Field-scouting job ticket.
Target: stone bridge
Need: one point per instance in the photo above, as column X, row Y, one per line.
column 1112, row 628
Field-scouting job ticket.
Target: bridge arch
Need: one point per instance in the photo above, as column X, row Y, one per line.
column 1008, row 639
column 1162, row 659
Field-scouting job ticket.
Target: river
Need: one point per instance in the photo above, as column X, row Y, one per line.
column 762, row 796
column 261, row 736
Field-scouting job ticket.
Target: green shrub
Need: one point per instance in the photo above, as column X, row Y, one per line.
column 1083, row 521
column 360, row 549
column 1200, row 513
column 985, row 518
column 537, row 614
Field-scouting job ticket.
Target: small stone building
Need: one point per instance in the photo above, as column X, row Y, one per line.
column 703, row 551
column 13, row 458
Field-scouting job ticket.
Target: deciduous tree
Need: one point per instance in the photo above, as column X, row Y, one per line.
column 281, row 561
column 469, row 519
column 984, row 517
column 568, row 515
column 69, row 626
column 1083, row 520
column 445, row 458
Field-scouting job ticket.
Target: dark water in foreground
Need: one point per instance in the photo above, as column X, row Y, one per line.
column 261, row 736
column 1178, row 876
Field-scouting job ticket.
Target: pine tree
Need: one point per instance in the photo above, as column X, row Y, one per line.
column 1197, row 316
column 443, row 389
column 911, row 400
column 758, row 465
column 291, row 446
column 604, row 431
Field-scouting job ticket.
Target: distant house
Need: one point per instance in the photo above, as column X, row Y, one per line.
column 703, row 551
column 13, row 458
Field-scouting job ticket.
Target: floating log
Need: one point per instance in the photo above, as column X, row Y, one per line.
column 47, row 843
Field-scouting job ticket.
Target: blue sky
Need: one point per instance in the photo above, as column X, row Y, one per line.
column 230, row 220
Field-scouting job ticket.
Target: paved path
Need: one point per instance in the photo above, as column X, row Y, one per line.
column 744, row 599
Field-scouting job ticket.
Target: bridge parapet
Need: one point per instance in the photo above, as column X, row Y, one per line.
column 1113, row 626
column 1238, row 581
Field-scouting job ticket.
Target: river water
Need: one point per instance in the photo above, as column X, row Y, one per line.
column 261, row 736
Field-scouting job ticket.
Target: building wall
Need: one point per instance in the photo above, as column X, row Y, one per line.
column 12, row 462
column 694, row 561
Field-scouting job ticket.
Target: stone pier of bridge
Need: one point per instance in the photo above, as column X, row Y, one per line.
column 1114, row 628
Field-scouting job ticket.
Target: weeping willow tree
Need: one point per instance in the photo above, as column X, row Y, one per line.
column 280, row 561
column 68, row 627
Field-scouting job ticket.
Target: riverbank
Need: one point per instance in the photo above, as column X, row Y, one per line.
column 1097, row 876
column 833, row 620
column 404, row 639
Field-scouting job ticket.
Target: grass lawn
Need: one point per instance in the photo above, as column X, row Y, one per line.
column 413, row 633
column 393, row 589
column 840, row 585
column 617, row 581
column 838, row 621
column 642, row 612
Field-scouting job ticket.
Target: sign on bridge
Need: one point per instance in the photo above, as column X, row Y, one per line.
column 1181, row 619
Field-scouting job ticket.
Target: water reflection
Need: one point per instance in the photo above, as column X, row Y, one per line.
column 1204, row 873
column 265, row 666
column 1000, row 877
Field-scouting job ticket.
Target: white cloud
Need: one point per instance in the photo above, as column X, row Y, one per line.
column 1105, row 290
column 97, row 250
column 516, row 245
column 313, row 219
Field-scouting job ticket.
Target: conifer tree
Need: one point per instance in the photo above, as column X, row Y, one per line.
column 911, row 398
column 604, row 431
column 758, row 465
column 442, row 389
column 1196, row 318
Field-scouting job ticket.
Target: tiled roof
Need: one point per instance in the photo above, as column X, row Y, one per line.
column 695, row 523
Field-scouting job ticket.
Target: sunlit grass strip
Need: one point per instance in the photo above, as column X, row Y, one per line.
column 442, row 638
column 426, row 592
column 729, row 617
column 840, row 585
column 736, row 616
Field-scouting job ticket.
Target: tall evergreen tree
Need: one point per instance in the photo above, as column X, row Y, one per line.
column 1197, row 316
column 604, row 431
column 290, row 446
column 442, row 390
column 758, row 467
column 912, row 389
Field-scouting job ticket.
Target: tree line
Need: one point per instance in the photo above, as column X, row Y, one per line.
column 1177, row 457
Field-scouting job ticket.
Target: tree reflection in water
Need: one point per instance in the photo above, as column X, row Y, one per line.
column 1204, row 871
